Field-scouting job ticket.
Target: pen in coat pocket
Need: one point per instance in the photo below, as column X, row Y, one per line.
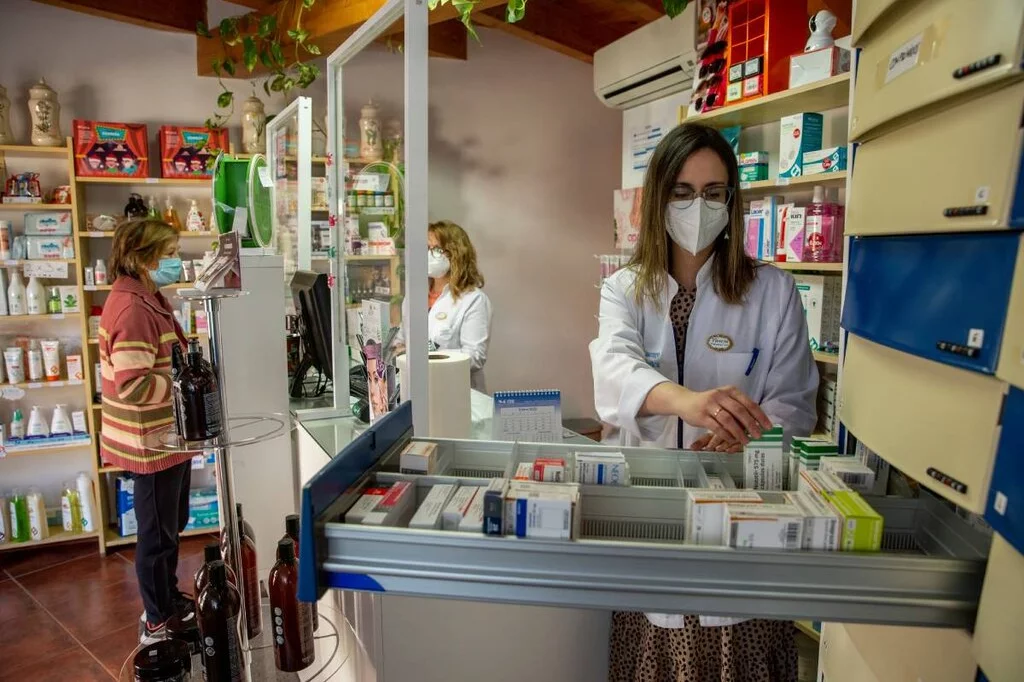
column 753, row 359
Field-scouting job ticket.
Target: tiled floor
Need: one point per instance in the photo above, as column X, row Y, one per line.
column 68, row 614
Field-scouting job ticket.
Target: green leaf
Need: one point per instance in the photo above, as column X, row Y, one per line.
column 288, row 84
column 266, row 86
column 673, row 8
column 224, row 99
column 298, row 35
column 311, row 48
column 216, row 66
column 515, row 10
column 249, row 53
column 228, row 26
column 308, row 3
column 265, row 58
column 229, row 66
column 268, row 25
column 465, row 10
column 277, row 84
column 277, row 53
column 202, row 30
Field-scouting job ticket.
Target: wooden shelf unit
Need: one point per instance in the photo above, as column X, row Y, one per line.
column 167, row 182
column 57, row 536
column 807, row 267
column 831, row 93
column 803, row 183
column 112, row 539
column 29, row 208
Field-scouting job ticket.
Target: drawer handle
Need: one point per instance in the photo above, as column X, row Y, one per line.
column 957, row 349
column 980, row 65
column 947, row 480
column 964, row 211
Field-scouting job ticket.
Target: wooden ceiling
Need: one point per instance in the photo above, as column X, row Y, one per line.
column 575, row 28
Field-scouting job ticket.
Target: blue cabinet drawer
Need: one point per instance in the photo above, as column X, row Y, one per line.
column 1005, row 508
column 942, row 297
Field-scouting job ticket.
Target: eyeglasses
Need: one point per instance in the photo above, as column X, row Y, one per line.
column 718, row 194
column 436, row 251
column 711, row 67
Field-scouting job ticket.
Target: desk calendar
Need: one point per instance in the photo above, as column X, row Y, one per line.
column 532, row 416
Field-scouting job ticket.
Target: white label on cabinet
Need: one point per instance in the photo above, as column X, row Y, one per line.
column 981, row 194
column 904, row 58
column 46, row 270
column 976, row 338
column 999, row 503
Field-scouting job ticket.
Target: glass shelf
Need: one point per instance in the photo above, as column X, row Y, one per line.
column 193, row 294
column 243, row 429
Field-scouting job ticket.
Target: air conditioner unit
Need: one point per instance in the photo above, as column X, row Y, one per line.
column 652, row 62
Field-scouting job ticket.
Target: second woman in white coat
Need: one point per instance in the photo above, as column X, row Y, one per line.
column 699, row 347
column 460, row 312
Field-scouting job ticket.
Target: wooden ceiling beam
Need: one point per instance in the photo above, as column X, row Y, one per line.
column 551, row 24
column 447, row 40
column 179, row 15
column 329, row 23
column 645, row 10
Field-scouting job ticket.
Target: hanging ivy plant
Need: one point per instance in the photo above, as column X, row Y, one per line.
column 263, row 42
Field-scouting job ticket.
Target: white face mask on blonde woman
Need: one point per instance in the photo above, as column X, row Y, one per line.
column 437, row 263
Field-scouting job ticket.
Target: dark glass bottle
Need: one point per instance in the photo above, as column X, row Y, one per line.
column 198, row 397
column 177, row 366
column 220, row 626
column 250, row 584
column 291, row 531
column 211, row 553
column 292, row 619
column 246, row 526
column 225, row 537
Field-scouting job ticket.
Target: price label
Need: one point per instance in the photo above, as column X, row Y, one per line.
column 152, row 181
column 371, row 182
column 46, row 270
column 781, row 182
column 744, row 185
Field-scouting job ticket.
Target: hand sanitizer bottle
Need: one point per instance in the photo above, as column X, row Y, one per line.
column 35, row 297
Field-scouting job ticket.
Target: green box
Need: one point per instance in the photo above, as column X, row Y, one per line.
column 862, row 525
column 755, row 173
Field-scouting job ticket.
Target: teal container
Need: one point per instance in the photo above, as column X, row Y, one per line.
column 20, row 529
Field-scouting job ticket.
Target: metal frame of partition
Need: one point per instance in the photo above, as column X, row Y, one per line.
column 415, row 190
column 302, row 109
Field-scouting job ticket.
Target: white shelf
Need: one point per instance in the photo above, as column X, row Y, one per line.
column 830, row 93
column 804, row 182
column 22, row 451
column 30, row 385
column 184, row 234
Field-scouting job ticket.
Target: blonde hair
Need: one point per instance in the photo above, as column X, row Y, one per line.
column 137, row 244
column 732, row 271
column 453, row 240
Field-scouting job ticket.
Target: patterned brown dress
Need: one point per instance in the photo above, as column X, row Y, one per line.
column 751, row 651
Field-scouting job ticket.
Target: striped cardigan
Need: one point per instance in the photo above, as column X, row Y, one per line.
column 137, row 333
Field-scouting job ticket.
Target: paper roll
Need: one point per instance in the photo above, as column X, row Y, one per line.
column 449, row 393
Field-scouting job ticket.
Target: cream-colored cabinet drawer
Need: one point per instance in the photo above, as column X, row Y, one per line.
column 936, row 423
column 865, row 13
column 1011, row 353
column 925, row 51
column 997, row 633
column 955, row 171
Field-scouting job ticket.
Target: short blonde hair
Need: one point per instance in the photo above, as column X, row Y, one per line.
column 137, row 244
column 453, row 240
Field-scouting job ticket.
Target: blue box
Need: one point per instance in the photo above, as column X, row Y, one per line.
column 798, row 134
column 125, row 494
column 203, row 509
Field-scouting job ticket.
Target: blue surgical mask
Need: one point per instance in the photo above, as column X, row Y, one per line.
column 167, row 272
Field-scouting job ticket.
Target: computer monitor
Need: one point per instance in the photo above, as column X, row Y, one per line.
column 312, row 299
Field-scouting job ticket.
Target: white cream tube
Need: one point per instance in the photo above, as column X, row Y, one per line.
column 14, row 359
column 51, row 358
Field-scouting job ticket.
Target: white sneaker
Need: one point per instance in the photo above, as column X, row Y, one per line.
column 151, row 635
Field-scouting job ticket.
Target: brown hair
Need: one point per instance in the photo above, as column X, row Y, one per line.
column 732, row 271
column 137, row 244
column 453, row 240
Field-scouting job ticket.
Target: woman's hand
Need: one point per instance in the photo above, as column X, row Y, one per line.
column 727, row 412
column 709, row 442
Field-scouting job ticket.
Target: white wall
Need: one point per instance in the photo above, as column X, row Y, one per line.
column 522, row 155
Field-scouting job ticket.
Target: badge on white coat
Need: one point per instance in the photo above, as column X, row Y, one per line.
column 719, row 342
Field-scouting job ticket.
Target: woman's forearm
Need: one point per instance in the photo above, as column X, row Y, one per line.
column 664, row 399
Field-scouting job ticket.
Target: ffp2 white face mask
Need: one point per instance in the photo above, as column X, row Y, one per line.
column 696, row 226
column 437, row 264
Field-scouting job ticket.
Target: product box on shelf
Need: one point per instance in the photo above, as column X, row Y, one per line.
column 763, row 526
column 203, row 509
column 828, row 160
column 862, row 525
column 860, row 477
column 753, row 166
column 705, row 513
column 763, row 464
column 53, row 247
column 796, row 223
column 48, row 224
column 821, row 298
column 125, row 507
column 822, row 528
column 809, row 67
column 104, row 149
column 798, row 133
column 69, row 302
column 189, row 152
column 428, row 515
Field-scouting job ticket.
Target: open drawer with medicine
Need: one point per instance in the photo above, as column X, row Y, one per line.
column 958, row 170
column 928, row 51
column 640, row 539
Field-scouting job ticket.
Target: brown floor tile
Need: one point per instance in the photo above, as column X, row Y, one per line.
column 188, row 547
column 91, row 612
column 61, row 584
column 113, row 649
column 21, row 562
column 14, row 602
column 36, row 637
column 75, row 665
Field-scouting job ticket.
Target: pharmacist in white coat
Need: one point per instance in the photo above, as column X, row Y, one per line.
column 460, row 312
column 699, row 347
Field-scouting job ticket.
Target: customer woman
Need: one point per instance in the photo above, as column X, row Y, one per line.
column 137, row 334
column 699, row 347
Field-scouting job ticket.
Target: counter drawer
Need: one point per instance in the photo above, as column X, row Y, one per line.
column 966, row 157
column 938, row 424
column 941, row 297
column 1005, row 510
column 1011, row 357
column 913, row 59
column 866, row 12
column 997, row 640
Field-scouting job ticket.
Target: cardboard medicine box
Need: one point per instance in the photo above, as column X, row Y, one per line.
column 189, row 152
column 829, row 160
column 764, row 466
column 763, row 526
column 753, row 166
column 821, row 298
column 799, row 133
column 105, row 149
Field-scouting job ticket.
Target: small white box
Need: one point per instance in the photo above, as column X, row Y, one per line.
column 376, row 320
column 821, row 483
column 764, row 467
column 858, row 476
column 457, row 507
column 366, row 504
column 523, row 489
column 74, row 365
column 823, row 527
column 395, row 508
column 809, row 67
column 473, row 520
column 428, row 516
column 820, row 295
column 877, row 464
column 69, row 302
column 602, row 468
column 704, row 509
column 798, row 133
column 524, row 472
column 418, row 457
column 544, row 515
column 763, row 526
column 796, row 223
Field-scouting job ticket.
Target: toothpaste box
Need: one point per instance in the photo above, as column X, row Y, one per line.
column 781, row 231
column 763, row 526
column 395, row 508
column 419, row 457
column 604, row 468
column 457, row 507
column 753, row 166
column 473, row 519
column 763, row 465
column 862, row 525
column 850, row 471
column 704, row 513
column 796, row 225
column 823, row 529
column 549, row 469
column 428, row 516
column 799, row 133
column 828, row 160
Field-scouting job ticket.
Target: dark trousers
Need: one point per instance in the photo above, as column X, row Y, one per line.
column 161, row 511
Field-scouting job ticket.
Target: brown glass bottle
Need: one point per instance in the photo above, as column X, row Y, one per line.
column 211, row 553
column 219, row 615
column 177, row 367
column 291, row 531
column 250, row 583
column 292, row 620
column 197, row 397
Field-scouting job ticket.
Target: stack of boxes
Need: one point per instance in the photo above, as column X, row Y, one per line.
column 821, row 296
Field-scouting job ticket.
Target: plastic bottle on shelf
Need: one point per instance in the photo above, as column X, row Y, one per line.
column 171, row 215
column 16, row 295
column 100, row 272
column 201, row 579
column 194, row 219
column 60, row 423
column 53, row 304
column 17, row 427
column 3, row 294
column 18, row 506
column 5, row 520
column 37, row 427
column 838, row 224
column 70, row 509
column 37, row 515
column 35, row 297
column 88, row 501
column 153, row 212
column 35, row 361
column 817, row 246
column 219, row 616
column 292, row 619
column 95, row 313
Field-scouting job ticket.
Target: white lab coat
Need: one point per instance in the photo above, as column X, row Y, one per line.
column 635, row 350
column 463, row 324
